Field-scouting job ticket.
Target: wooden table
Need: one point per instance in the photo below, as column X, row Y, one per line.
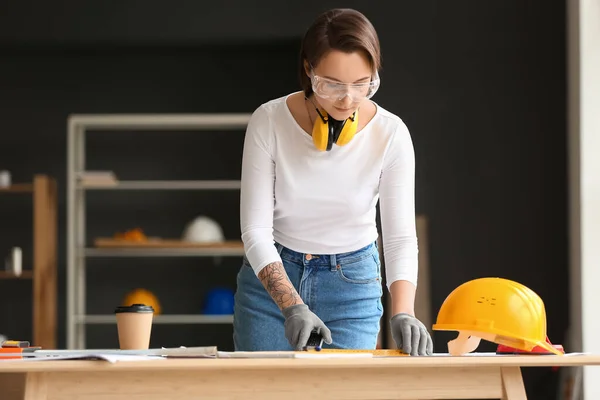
column 444, row 377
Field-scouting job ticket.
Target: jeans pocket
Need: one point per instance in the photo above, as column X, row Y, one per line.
column 363, row 271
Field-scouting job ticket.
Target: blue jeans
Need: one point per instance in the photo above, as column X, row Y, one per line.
column 344, row 290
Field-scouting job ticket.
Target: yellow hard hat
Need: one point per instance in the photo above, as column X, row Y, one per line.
column 142, row 296
column 497, row 310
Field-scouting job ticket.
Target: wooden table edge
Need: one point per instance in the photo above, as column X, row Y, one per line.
column 8, row 366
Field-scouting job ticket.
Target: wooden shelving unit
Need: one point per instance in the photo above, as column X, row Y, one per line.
column 43, row 272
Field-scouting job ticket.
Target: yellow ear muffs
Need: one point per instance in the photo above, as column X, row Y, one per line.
column 320, row 132
column 349, row 130
column 327, row 131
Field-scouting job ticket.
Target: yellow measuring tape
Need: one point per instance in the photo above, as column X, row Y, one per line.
column 377, row 352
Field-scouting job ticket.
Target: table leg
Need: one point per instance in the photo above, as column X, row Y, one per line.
column 513, row 387
column 36, row 386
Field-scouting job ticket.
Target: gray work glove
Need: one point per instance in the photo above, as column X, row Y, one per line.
column 300, row 322
column 410, row 335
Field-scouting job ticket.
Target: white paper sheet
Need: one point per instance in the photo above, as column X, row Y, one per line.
column 112, row 358
column 113, row 355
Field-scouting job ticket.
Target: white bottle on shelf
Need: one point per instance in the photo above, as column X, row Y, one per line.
column 14, row 262
column 4, row 179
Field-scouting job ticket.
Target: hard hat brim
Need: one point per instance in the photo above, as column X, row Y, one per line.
column 493, row 335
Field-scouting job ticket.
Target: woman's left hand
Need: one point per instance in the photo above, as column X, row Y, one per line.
column 410, row 335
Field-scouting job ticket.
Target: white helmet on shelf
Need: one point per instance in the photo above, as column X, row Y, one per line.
column 203, row 229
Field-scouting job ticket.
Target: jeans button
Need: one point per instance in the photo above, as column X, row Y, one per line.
column 308, row 257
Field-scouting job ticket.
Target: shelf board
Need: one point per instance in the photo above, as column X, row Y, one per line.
column 162, row 319
column 109, row 247
column 165, row 185
column 157, row 243
column 215, row 121
column 163, row 252
column 18, row 188
column 27, row 274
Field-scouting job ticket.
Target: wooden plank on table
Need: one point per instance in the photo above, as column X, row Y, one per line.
column 324, row 352
column 166, row 243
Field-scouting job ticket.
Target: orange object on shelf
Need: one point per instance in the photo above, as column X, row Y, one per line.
column 143, row 296
column 134, row 235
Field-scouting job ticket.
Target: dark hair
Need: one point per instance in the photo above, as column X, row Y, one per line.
column 341, row 29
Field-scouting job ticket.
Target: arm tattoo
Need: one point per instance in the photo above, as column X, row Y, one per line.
column 275, row 280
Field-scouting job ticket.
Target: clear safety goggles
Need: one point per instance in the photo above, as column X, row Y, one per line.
column 336, row 91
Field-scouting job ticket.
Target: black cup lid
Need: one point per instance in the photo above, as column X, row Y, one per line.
column 136, row 308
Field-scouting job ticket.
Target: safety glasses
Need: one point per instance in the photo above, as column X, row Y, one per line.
column 336, row 91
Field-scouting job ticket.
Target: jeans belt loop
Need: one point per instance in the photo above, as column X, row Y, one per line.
column 279, row 248
column 333, row 262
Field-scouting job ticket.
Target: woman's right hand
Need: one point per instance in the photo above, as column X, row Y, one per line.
column 300, row 322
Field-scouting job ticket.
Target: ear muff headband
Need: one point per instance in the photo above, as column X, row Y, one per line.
column 327, row 131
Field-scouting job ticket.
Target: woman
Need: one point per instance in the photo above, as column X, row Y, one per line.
column 315, row 163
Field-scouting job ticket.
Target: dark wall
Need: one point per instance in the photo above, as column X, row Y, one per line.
column 481, row 87
column 50, row 84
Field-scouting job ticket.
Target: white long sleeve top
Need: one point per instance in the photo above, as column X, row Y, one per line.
column 318, row 202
